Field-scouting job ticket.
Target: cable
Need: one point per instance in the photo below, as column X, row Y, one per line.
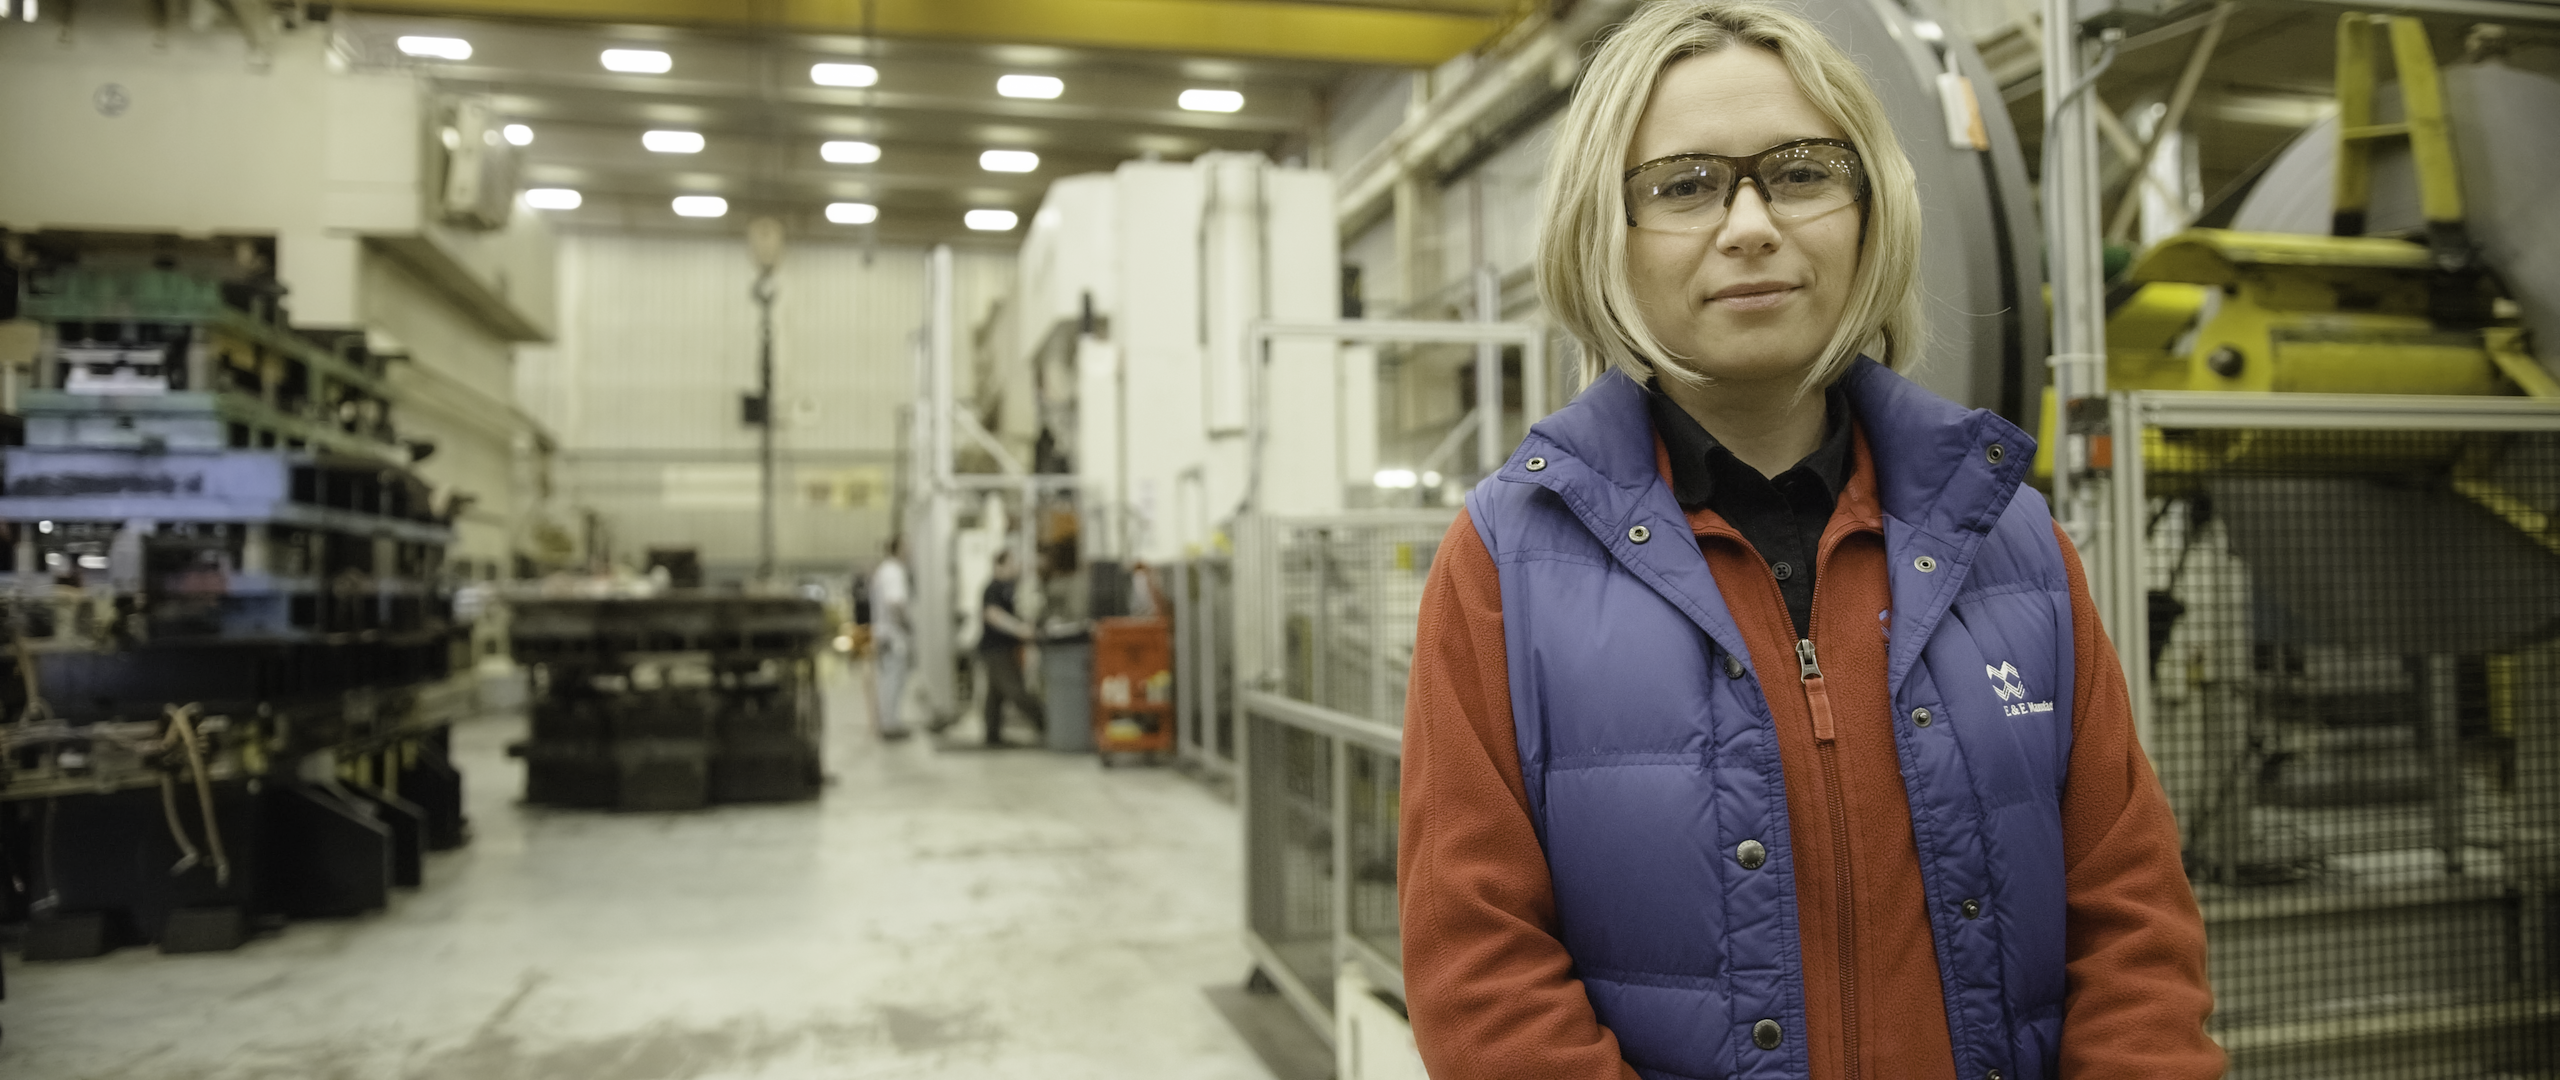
column 2108, row 39
column 182, row 725
column 35, row 709
column 188, row 857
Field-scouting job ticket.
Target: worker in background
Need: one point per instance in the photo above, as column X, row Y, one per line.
column 1000, row 649
column 892, row 640
column 1761, row 723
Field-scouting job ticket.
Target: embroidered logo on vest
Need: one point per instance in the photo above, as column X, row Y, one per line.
column 2011, row 686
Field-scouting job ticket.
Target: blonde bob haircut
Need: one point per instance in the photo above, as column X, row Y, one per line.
column 1582, row 239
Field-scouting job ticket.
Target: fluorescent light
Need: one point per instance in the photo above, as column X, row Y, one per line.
column 1212, row 100
column 701, row 206
column 1393, row 478
column 844, row 74
column 637, row 61
column 852, row 213
column 673, row 142
column 552, row 198
column 441, row 48
column 519, row 134
column 849, row 152
column 1030, row 86
column 991, row 220
column 1008, row 161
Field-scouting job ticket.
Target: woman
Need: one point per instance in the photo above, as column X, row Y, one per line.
column 1761, row 723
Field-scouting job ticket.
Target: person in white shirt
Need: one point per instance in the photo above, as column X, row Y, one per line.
column 892, row 644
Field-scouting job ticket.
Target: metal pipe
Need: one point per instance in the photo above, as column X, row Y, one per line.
column 1488, row 373
column 2070, row 190
column 930, row 545
column 2444, row 752
column 2122, row 226
column 764, row 426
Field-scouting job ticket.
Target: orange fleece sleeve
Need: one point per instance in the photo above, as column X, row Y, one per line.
column 2137, row 997
column 1489, row 986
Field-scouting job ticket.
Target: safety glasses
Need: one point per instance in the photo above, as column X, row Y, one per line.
column 1797, row 180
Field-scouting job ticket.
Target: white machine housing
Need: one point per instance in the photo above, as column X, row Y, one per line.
column 1139, row 288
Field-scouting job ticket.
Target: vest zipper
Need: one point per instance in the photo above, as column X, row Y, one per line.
column 1826, row 747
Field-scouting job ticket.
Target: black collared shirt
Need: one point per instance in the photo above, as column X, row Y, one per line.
column 1782, row 517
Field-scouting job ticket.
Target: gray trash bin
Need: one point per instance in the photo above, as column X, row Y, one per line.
column 1066, row 686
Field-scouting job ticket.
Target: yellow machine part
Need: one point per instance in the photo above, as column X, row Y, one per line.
column 2218, row 310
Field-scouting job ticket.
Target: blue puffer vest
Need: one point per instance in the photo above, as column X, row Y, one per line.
column 1646, row 765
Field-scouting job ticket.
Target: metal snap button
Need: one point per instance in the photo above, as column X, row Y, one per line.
column 1972, row 909
column 1732, row 666
column 1924, row 564
column 1992, row 1075
column 1639, row 534
column 1994, row 453
column 1751, row 854
column 1537, row 464
column 1920, row 717
column 1767, row 1036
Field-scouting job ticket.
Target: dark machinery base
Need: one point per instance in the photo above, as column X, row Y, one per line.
column 670, row 703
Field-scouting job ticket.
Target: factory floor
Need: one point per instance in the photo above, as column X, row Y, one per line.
column 943, row 911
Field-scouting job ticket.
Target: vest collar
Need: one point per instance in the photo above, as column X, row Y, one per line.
column 1935, row 475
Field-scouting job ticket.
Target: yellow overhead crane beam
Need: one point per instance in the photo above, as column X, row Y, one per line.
column 1264, row 28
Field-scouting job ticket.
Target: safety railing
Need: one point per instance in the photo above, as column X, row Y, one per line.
column 1326, row 649
column 1204, row 663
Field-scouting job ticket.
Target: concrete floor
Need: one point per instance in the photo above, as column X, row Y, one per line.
column 940, row 913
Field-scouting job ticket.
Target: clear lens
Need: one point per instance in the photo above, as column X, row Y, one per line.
column 1810, row 179
column 1695, row 193
column 1682, row 194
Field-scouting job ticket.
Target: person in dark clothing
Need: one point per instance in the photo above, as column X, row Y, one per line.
column 1000, row 650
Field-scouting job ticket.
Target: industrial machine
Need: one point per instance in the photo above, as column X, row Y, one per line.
column 2391, row 290
column 234, row 651
column 671, row 702
column 2332, row 461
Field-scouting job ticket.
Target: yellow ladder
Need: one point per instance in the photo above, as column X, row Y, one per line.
column 2423, row 124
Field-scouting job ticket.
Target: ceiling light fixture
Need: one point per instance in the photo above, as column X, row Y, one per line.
column 673, row 142
column 441, row 48
column 519, row 134
column 637, row 61
column 843, row 74
column 1030, row 86
column 1212, row 100
column 991, row 220
column 552, row 198
column 849, row 152
column 701, row 206
column 852, row 213
column 1009, row 161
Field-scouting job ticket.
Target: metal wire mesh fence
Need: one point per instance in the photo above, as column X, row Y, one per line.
column 1204, row 658
column 1348, row 597
column 1289, row 851
column 2348, row 660
column 1323, row 705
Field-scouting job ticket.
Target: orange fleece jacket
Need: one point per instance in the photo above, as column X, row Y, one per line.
column 1491, row 989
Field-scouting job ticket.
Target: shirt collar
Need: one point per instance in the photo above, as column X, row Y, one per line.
column 1696, row 456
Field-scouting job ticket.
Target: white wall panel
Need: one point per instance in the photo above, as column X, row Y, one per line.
column 658, row 341
column 457, row 391
column 1363, row 113
column 1490, row 214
